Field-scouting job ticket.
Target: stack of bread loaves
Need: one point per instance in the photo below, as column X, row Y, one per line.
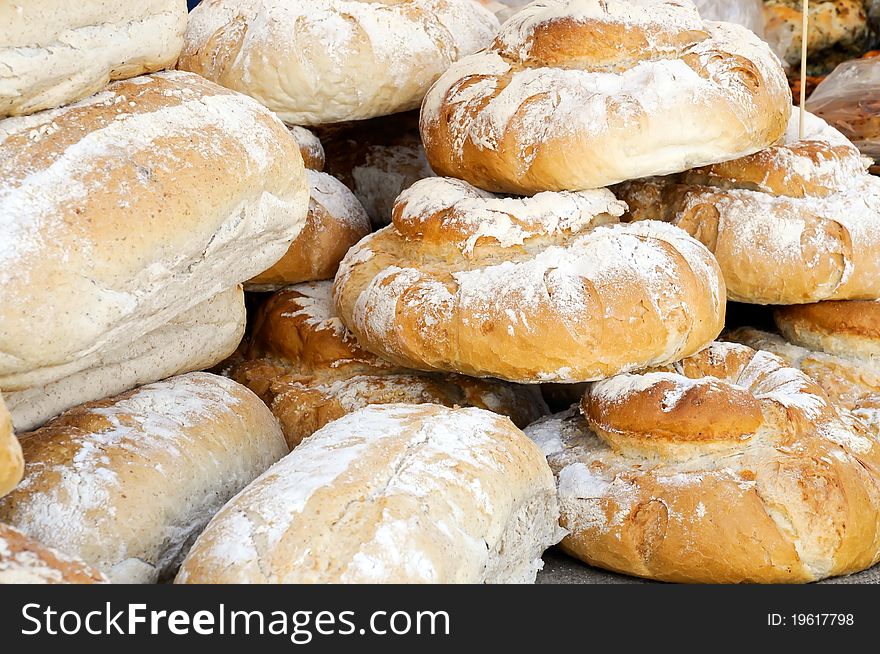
column 576, row 195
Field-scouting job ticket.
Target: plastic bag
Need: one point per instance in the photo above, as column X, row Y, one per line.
column 849, row 99
column 744, row 12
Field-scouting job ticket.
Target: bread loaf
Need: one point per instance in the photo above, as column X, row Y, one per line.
column 542, row 289
column 123, row 211
column 725, row 467
column 310, row 370
column 24, row 561
column 11, row 462
column 195, row 340
column 127, row 483
column 845, row 328
column 325, row 61
column 798, row 222
column 580, row 94
column 389, row 494
column 54, row 52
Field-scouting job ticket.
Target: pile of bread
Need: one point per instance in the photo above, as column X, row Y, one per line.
column 562, row 204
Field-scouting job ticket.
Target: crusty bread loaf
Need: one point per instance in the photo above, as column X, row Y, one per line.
column 25, row 561
column 310, row 370
column 849, row 328
column 325, row 61
column 832, row 23
column 310, row 147
column 798, row 222
column 726, row 467
column 54, row 52
column 334, row 223
column 580, row 94
column 851, row 380
column 125, row 210
column 540, row 289
column 126, row 484
column 195, row 340
column 11, row 462
column 377, row 159
column 389, row 494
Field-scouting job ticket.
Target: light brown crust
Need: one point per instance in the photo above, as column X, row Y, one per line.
column 25, row 561
column 310, row 370
column 853, row 318
column 575, row 96
column 11, row 462
column 832, row 23
column 334, row 223
column 797, row 501
column 537, row 289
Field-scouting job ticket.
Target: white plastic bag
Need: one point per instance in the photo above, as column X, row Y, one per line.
column 744, row 12
column 849, row 99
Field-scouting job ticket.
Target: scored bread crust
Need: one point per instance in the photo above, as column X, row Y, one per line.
column 387, row 495
column 25, row 561
column 310, row 370
column 334, row 223
column 324, row 61
column 849, row 328
column 11, row 461
column 793, row 497
column 195, row 340
column 541, row 289
column 582, row 94
column 792, row 224
column 126, row 483
column 55, row 52
column 128, row 208
column 850, row 379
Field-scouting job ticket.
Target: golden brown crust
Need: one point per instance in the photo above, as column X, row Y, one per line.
column 797, row 501
column 832, row 23
column 844, row 317
column 577, row 95
column 310, row 370
column 11, row 462
column 25, row 561
column 334, row 223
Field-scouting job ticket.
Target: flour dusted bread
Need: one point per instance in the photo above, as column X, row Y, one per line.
column 846, row 328
column 24, row 561
column 850, row 379
column 334, row 223
column 541, row 289
column 125, row 484
column 377, row 159
column 195, row 340
column 795, row 223
column 53, row 52
column 11, row 462
column 725, row 467
column 311, row 370
column 129, row 208
column 325, row 61
column 386, row 495
column 580, row 94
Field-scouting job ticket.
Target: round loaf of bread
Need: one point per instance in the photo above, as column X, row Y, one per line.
column 310, row 370
column 127, row 483
column 541, row 289
column 325, row 61
column 377, row 159
column 25, row 561
column 795, row 223
column 580, row 94
column 11, row 462
column 195, row 340
column 54, row 52
column 846, row 328
column 334, row 223
column 840, row 23
column 850, row 379
column 310, row 147
column 125, row 210
column 390, row 494
column 725, row 467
